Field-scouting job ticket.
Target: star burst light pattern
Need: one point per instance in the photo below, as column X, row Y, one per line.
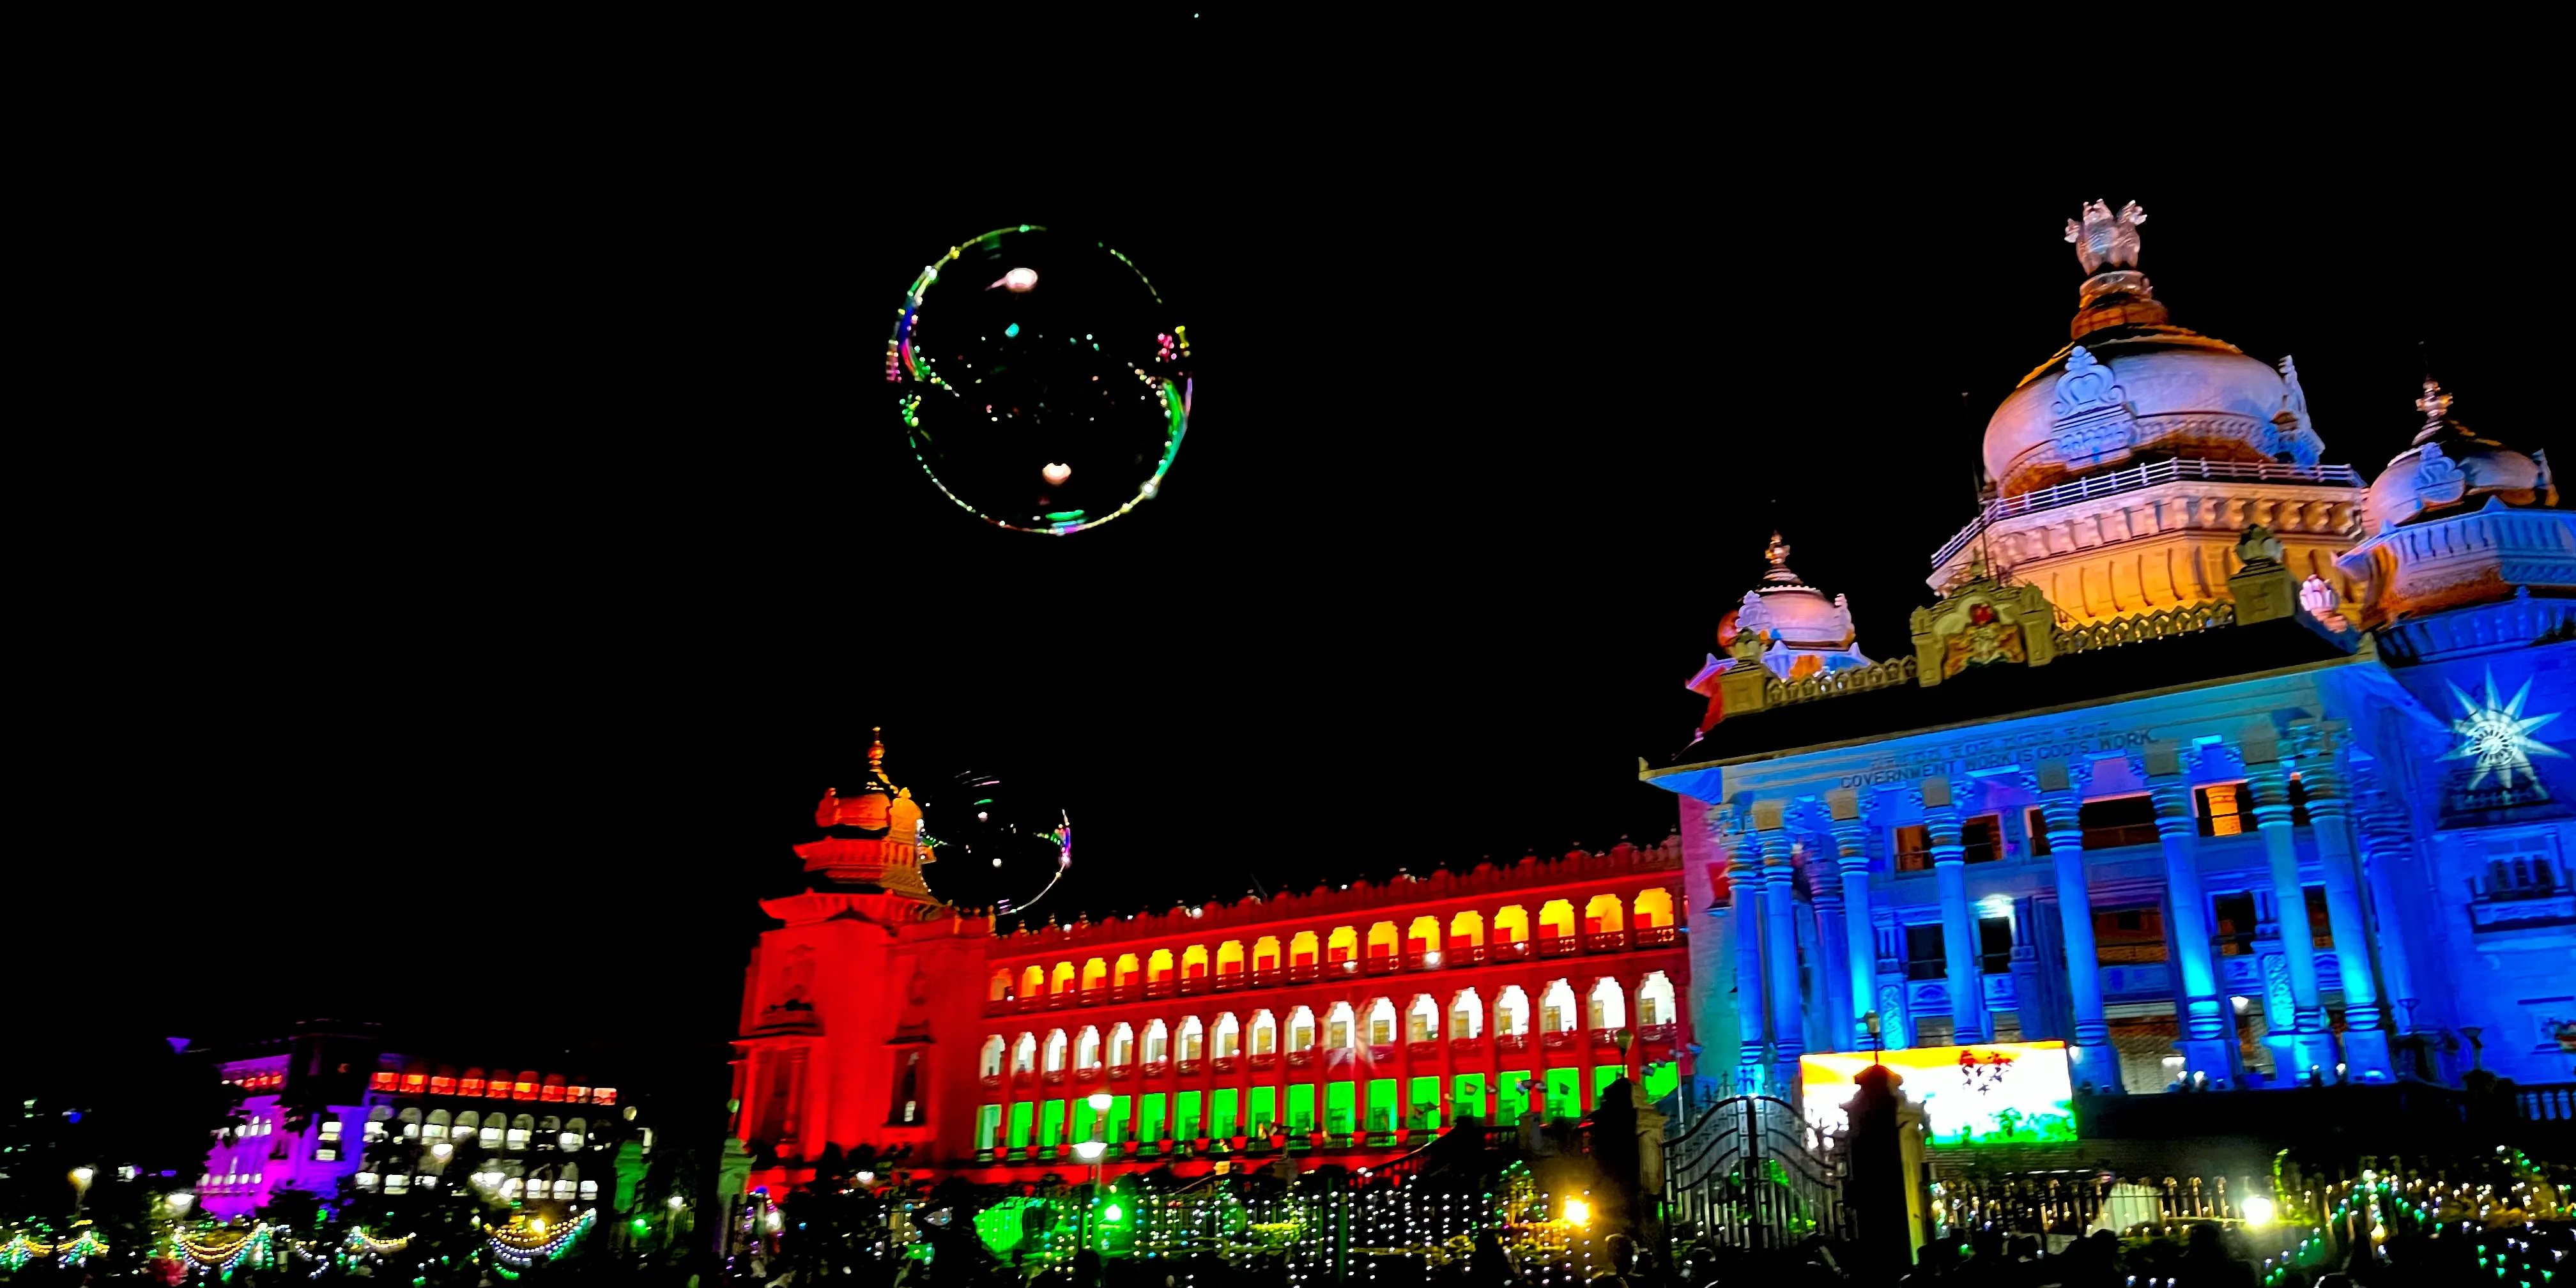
column 2497, row 735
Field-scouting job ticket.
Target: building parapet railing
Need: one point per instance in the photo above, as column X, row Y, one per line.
column 2129, row 480
column 1833, row 684
column 1375, row 898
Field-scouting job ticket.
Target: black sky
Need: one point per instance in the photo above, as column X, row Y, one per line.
column 476, row 543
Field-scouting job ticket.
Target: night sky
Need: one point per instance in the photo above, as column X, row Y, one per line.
column 474, row 562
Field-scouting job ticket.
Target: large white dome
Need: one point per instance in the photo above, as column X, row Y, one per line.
column 2159, row 390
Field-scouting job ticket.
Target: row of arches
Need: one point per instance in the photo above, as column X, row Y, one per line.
column 496, row 1131
column 1422, row 938
column 1344, row 1026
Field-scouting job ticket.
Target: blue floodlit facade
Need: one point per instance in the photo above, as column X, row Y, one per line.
column 2211, row 760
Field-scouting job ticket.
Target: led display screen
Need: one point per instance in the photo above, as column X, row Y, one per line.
column 2001, row 1093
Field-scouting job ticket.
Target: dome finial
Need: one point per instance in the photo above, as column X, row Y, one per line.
column 2105, row 239
column 876, row 752
column 1778, row 553
column 2435, row 404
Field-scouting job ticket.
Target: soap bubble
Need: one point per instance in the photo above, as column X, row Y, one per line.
column 1042, row 379
column 995, row 843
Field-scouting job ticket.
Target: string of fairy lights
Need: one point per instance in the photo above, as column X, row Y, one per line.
column 221, row 1251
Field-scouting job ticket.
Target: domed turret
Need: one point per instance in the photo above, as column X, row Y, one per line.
column 2457, row 521
column 1793, row 616
column 2126, row 465
column 2451, row 467
column 2133, row 386
column 872, row 837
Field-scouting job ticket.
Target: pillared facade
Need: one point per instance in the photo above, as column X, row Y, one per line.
column 1343, row 1025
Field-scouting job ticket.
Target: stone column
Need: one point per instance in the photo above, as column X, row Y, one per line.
column 1851, row 860
column 1833, row 990
column 2365, row 1035
column 2385, row 840
column 2061, row 796
column 1744, row 921
column 2307, row 1045
column 1780, row 945
column 2208, row 1042
column 1958, row 921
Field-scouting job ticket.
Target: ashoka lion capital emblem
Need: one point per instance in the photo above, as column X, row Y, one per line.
column 2105, row 240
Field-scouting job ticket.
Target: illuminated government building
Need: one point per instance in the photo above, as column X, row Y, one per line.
column 2212, row 759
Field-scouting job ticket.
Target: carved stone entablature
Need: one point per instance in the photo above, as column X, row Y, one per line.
column 2513, row 623
column 2477, row 557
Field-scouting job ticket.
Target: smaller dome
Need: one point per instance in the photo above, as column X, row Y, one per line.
column 873, row 807
column 1791, row 612
column 2451, row 467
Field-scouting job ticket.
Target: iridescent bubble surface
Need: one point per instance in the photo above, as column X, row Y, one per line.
column 1043, row 381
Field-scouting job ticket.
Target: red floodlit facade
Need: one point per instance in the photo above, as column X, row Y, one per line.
column 1343, row 1026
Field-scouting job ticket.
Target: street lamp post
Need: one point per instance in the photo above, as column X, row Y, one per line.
column 1092, row 1151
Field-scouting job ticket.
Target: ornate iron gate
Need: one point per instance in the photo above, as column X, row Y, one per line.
column 1749, row 1172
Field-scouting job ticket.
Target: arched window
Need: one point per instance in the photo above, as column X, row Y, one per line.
column 1511, row 1012
column 1024, row 1054
column 1607, row 1007
column 1193, row 1040
column 490, row 1132
column 410, row 1120
column 1086, row 1048
column 1301, row 1030
column 1556, row 919
column 1265, row 953
column 1423, row 936
column 1062, row 980
column 1095, row 974
column 1158, row 968
column 1194, row 962
column 1422, row 1020
column 520, row 1127
column 1158, row 1043
column 526, row 1087
column 1381, row 1023
column 1340, row 1029
column 1601, row 916
column 1122, row 1047
column 471, row 1084
column 1033, row 982
column 1654, row 1000
column 1654, row 908
column 466, row 1123
column 549, row 1126
column 1382, row 941
column 1055, row 1045
column 436, row 1127
column 991, row 1065
column 1228, row 1035
column 1556, row 1008
column 1467, row 1014
column 1511, row 925
column 1265, row 1033
column 1343, row 945
column 1467, row 929
column 1126, row 972
column 1229, row 960
column 1302, row 950
column 589, row 1191
column 576, row 1134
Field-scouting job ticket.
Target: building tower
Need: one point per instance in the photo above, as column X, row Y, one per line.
column 2128, row 463
column 843, row 1039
